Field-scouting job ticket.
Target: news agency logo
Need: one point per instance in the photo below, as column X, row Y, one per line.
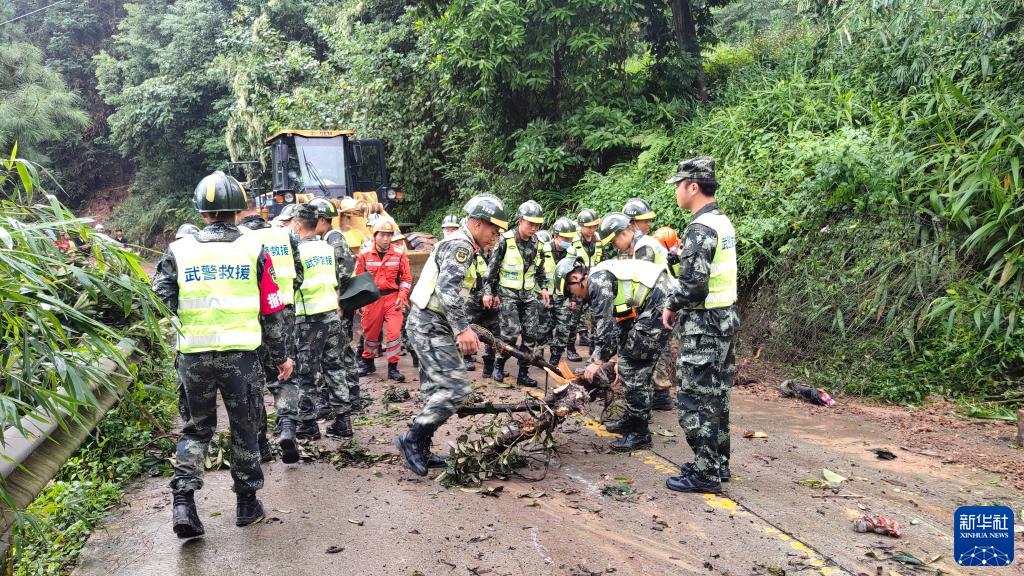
column 983, row 536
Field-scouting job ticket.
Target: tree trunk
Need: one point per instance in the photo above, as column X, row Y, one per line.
column 686, row 36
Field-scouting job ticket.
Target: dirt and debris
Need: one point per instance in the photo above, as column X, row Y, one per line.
column 878, row 524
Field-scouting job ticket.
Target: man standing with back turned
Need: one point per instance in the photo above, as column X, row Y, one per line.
column 706, row 296
column 220, row 285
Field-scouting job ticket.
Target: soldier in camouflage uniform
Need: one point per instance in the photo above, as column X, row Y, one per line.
column 586, row 244
column 562, row 313
column 514, row 269
column 220, row 285
column 488, row 318
column 346, row 264
column 318, row 330
column 283, row 248
column 627, row 297
column 705, row 301
column 439, row 329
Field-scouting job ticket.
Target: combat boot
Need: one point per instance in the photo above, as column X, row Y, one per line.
column 395, row 374
column 524, row 377
column 265, row 454
column 411, row 445
column 724, row 475
column 248, row 510
column 289, row 450
column 637, row 437
column 470, row 362
column 499, row 370
column 366, row 366
column 570, row 353
column 556, row 356
column 488, row 366
column 185, row 517
column 662, row 400
column 585, row 339
column 437, row 461
column 307, row 430
column 341, row 427
column 620, row 426
column 692, row 482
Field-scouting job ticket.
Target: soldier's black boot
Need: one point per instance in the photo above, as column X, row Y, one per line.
column 488, row 365
column 724, row 474
column 571, row 354
column 341, row 427
column 265, row 454
column 556, row 356
column 470, row 363
column 248, row 510
column 307, row 430
column 499, row 370
column 437, row 461
column 637, row 437
column 366, row 366
column 394, row 373
column 620, row 426
column 585, row 339
column 289, row 449
column 523, row 379
column 185, row 517
column 690, row 481
column 662, row 400
column 411, row 445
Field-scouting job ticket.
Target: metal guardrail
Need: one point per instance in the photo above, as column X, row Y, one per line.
column 31, row 459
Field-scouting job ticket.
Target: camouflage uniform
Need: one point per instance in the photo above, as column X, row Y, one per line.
column 582, row 318
column 520, row 309
column 706, row 366
column 346, row 263
column 484, row 317
column 443, row 374
column 638, row 341
column 237, row 374
column 562, row 317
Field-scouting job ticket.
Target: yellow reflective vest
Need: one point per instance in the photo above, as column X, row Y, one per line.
column 548, row 259
column 577, row 249
column 278, row 244
column 722, row 284
column 635, row 279
column 424, row 294
column 319, row 290
column 644, row 241
column 515, row 273
column 218, row 294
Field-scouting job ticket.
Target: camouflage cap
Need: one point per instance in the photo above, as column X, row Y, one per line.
column 699, row 168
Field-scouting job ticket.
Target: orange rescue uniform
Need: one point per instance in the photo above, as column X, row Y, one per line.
column 393, row 277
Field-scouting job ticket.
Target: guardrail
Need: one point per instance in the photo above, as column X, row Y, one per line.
column 31, row 459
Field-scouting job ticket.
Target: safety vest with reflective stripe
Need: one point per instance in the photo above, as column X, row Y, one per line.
column 643, row 240
column 722, row 285
column 218, row 294
column 278, row 243
column 319, row 290
column 548, row 258
column 578, row 250
column 516, row 274
column 424, row 294
column 635, row 280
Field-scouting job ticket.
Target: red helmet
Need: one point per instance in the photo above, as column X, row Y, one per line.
column 667, row 236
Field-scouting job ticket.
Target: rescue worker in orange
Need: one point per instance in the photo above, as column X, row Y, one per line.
column 391, row 272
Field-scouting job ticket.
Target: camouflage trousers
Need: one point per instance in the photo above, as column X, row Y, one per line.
column 665, row 375
column 488, row 318
column 563, row 319
column 348, row 359
column 641, row 346
column 443, row 378
column 270, row 371
column 318, row 351
column 239, row 377
column 706, row 369
column 520, row 317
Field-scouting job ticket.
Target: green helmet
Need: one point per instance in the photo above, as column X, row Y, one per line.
column 564, row 227
column 587, row 217
column 543, row 236
column 219, row 192
column 185, row 230
column 489, row 208
column 531, row 212
column 563, row 269
column 450, row 221
column 638, row 209
column 287, row 213
column 612, row 224
column 324, row 208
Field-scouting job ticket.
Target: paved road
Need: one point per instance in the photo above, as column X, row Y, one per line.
column 386, row 521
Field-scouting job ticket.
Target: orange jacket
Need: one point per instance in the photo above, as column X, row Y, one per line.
column 390, row 272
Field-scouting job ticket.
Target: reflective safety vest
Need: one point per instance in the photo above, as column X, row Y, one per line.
column 516, row 274
column 643, row 240
column 278, row 243
column 579, row 250
column 481, row 272
column 319, row 290
column 424, row 294
column 218, row 294
column 635, row 279
column 722, row 285
column 548, row 258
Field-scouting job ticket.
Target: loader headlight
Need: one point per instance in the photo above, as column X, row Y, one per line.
column 392, row 194
column 289, row 197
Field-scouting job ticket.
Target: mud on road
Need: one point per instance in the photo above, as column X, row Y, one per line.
column 592, row 511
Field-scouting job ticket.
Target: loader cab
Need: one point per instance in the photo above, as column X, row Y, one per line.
column 325, row 163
